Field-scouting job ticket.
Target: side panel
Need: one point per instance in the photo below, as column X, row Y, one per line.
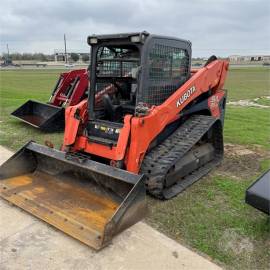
column 73, row 119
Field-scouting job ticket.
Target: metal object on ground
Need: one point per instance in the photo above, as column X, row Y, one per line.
column 90, row 201
column 258, row 194
column 46, row 117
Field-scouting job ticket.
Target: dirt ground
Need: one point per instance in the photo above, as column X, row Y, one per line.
column 241, row 162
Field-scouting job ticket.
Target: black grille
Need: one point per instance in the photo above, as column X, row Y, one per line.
column 168, row 70
column 116, row 62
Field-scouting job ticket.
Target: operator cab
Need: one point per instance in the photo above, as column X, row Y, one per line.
column 131, row 72
column 116, row 81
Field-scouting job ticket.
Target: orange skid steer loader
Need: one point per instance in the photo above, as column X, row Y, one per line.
column 158, row 130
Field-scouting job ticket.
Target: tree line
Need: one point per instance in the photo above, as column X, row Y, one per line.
column 41, row 57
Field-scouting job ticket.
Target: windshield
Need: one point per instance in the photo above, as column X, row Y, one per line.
column 114, row 81
column 116, row 61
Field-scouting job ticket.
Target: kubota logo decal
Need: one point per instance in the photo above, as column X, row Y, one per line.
column 185, row 96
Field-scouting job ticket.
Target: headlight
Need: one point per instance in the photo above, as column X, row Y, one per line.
column 135, row 39
column 93, row 40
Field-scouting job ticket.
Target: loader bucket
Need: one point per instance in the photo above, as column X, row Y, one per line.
column 88, row 200
column 46, row 117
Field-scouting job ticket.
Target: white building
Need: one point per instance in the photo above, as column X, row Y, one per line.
column 249, row 58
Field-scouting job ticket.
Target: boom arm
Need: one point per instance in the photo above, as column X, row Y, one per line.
column 210, row 77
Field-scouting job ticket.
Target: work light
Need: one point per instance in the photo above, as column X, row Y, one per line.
column 93, row 40
column 135, row 39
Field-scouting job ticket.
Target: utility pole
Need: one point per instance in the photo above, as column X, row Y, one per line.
column 7, row 52
column 65, row 42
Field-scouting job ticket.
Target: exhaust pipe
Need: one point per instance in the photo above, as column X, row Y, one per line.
column 89, row 201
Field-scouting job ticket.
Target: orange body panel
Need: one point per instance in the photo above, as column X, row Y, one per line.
column 138, row 132
column 112, row 153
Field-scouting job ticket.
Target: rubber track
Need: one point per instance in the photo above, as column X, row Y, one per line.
column 160, row 159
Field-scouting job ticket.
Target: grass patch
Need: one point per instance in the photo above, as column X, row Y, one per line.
column 21, row 85
column 247, row 126
column 263, row 101
column 213, row 218
column 16, row 87
column 248, row 83
column 265, row 165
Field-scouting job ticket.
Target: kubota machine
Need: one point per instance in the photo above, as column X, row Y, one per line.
column 149, row 123
column 70, row 89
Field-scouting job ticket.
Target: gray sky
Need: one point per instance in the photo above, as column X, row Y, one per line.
column 220, row 27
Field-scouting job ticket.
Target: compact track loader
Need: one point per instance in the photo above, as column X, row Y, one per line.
column 149, row 123
column 70, row 89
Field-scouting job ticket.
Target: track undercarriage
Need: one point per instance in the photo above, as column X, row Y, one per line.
column 184, row 157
